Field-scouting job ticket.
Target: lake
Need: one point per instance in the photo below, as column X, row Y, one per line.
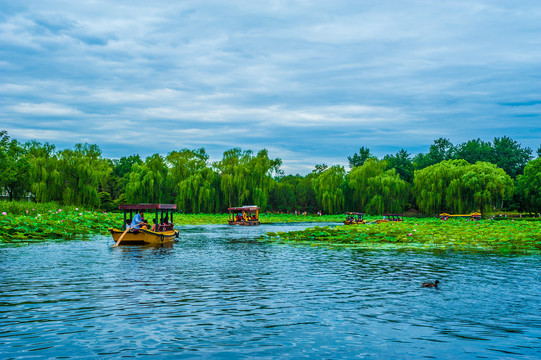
column 219, row 293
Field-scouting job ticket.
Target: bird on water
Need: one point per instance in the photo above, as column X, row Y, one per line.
column 429, row 284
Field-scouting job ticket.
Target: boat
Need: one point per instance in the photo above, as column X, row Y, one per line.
column 354, row 218
column 391, row 217
column 247, row 215
column 472, row 216
column 165, row 233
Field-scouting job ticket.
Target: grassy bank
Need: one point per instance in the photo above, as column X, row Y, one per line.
column 457, row 234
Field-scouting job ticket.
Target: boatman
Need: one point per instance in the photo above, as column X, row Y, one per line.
column 137, row 221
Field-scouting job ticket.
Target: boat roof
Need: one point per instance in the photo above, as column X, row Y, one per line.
column 148, row 207
column 244, row 208
column 393, row 214
column 354, row 213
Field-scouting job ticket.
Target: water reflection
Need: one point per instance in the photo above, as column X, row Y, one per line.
column 219, row 293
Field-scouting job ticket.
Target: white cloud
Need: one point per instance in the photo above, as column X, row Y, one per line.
column 44, row 109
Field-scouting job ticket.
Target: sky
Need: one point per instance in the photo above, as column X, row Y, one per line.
column 310, row 81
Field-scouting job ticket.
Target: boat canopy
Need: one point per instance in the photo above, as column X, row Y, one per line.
column 354, row 213
column 249, row 208
column 148, row 207
column 168, row 209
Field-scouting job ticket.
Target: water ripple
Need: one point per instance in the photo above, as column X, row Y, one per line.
column 219, row 293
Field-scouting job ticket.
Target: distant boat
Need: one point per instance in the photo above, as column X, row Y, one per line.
column 164, row 233
column 391, row 217
column 354, row 218
column 247, row 215
column 472, row 216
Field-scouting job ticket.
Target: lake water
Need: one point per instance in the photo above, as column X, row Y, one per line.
column 218, row 293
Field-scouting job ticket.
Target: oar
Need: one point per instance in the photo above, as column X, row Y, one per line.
column 121, row 237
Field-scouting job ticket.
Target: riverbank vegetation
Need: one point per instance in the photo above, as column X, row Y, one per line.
column 472, row 176
column 511, row 236
column 29, row 222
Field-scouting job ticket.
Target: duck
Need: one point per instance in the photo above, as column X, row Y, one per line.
column 429, row 284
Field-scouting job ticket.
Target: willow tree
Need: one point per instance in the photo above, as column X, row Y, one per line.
column 484, row 187
column 84, row 172
column 260, row 180
column 431, row 183
column 148, row 182
column 375, row 190
column 457, row 186
column 196, row 184
column 329, row 189
column 46, row 180
column 244, row 177
column 529, row 186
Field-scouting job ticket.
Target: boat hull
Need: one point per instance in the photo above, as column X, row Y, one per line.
column 354, row 222
column 144, row 237
column 244, row 223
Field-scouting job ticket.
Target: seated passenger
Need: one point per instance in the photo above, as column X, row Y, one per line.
column 138, row 221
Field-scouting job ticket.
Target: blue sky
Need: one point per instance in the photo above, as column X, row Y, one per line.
column 311, row 81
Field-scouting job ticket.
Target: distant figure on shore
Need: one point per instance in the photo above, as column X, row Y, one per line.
column 431, row 285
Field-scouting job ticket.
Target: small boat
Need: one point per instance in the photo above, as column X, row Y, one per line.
column 474, row 216
column 391, row 217
column 165, row 233
column 247, row 215
column 354, row 218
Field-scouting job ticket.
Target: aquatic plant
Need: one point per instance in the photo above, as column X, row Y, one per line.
column 458, row 234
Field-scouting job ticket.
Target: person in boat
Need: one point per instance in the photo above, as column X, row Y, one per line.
column 128, row 223
column 154, row 225
column 138, row 221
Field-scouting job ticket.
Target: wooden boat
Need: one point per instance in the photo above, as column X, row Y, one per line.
column 247, row 215
column 390, row 217
column 354, row 218
column 472, row 216
column 144, row 236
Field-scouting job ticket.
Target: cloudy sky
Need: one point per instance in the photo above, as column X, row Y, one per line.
column 311, row 81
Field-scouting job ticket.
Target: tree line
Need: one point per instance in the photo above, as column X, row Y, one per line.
column 475, row 175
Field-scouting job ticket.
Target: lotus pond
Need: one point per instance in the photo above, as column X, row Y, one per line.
column 428, row 234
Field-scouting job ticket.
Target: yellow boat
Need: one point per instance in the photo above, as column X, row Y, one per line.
column 354, row 218
column 247, row 215
column 472, row 216
column 165, row 232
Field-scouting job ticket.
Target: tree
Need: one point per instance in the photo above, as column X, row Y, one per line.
column 328, row 187
column 474, row 150
column 442, row 149
column 196, row 184
column 148, row 182
column 529, row 186
column 359, row 158
column 374, row 190
column 46, row 180
column 84, row 172
column 244, row 177
column 510, row 156
column 14, row 167
column 457, row 186
column 402, row 163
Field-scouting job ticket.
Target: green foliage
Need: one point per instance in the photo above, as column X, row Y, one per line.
column 402, row 163
column 457, row 186
column 529, row 186
column 359, row 159
column 196, row 183
column 329, row 189
column 374, row 190
column 14, row 167
column 245, row 178
column 425, row 234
